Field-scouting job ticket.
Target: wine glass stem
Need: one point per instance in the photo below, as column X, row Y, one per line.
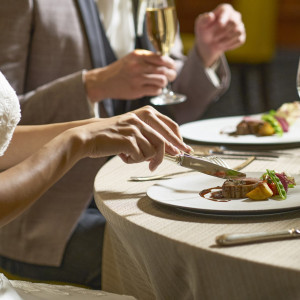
column 167, row 90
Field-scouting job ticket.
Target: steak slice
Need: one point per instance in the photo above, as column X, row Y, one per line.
column 235, row 189
column 248, row 126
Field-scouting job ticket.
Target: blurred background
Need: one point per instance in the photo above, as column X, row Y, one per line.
column 264, row 69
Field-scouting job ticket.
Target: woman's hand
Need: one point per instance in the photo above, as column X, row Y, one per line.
column 141, row 135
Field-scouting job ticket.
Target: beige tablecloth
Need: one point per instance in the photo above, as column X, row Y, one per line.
column 25, row 290
column 155, row 252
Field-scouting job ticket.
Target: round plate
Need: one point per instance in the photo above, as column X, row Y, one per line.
column 183, row 192
column 216, row 131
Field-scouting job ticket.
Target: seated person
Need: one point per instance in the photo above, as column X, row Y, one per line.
column 35, row 157
column 65, row 63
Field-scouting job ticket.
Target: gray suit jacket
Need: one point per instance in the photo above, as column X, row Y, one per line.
column 44, row 46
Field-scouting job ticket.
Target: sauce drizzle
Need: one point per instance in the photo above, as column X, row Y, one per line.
column 214, row 196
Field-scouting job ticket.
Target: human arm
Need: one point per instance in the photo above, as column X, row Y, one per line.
column 134, row 76
column 30, row 138
column 44, row 70
column 138, row 74
column 194, row 81
column 217, row 32
column 141, row 135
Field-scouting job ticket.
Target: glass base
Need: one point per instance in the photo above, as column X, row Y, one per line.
column 168, row 99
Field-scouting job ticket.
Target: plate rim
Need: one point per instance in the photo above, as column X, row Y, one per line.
column 227, row 213
column 237, row 142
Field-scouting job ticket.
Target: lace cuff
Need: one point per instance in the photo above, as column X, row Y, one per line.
column 9, row 113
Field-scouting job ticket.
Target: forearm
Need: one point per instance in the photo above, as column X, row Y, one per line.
column 28, row 139
column 142, row 135
column 24, row 183
column 203, row 91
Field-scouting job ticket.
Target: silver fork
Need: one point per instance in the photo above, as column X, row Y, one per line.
column 214, row 159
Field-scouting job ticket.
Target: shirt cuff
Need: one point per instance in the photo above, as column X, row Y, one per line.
column 93, row 106
column 211, row 72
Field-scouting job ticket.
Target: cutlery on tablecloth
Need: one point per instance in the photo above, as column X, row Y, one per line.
column 243, row 238
column 220, row 150
column 204, row 166
column 167, row 176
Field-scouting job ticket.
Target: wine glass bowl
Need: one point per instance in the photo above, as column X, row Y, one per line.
column 161, row 28
column 161, row 21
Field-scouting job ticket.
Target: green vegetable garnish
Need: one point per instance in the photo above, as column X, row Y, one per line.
column 280, row 188
column 273, row 122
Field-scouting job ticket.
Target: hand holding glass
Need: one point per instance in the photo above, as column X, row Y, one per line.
column 162, row 27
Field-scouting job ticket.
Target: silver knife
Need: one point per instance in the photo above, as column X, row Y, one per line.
column 243, row 238
column 203, row 166
column 221, row 150
column 248, row 153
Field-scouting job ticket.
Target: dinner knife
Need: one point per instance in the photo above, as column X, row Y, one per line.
column 221, row 150
column 243, row 238
column 204, row 166
column 248, row 153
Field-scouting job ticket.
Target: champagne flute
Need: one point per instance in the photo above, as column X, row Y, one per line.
column 298, row 79
column 162, row 26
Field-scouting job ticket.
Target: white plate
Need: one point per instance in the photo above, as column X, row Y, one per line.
column 183, row 192
column 210, row 131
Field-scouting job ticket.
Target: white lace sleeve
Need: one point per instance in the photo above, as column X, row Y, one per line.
column 9, row 113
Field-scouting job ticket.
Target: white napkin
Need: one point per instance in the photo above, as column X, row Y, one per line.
column 7, row 292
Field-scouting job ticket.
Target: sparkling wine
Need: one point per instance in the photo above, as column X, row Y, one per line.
column 162, row 27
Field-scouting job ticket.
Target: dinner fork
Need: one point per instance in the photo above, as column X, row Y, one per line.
column 213, row 159
column 216, row 160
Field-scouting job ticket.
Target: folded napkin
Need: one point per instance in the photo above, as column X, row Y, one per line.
column 7, row 292
column 24, row 290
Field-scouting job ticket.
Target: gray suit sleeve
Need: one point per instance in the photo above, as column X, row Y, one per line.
column 193, row 81
column 47, row 94
column 61, row 100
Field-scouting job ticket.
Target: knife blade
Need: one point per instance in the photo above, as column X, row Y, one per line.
column 221, row 150
column 248, row 153
column 204, row 166
column 243, row 238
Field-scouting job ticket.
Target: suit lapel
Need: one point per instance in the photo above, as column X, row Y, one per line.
column 100, row 49
column 141, row 41
column 91, row 21
column 96, row 37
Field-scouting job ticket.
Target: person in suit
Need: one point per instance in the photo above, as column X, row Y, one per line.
column 63, row 60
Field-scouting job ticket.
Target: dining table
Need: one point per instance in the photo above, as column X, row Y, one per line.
column 153, row 250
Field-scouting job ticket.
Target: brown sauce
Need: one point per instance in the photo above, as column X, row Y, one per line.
column 214, row 196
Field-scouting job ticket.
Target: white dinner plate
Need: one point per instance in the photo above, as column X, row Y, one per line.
column 183, row 192
column 216, row 131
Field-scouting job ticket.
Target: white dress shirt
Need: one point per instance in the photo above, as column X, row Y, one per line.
column 117, row 19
